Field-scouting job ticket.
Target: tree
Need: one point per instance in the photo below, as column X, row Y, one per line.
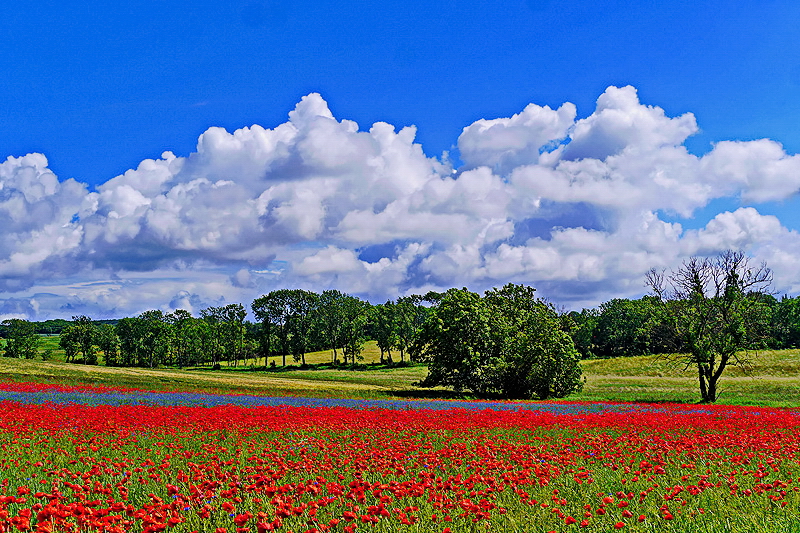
column 507, row 344
column 210, row 347
column 108, row 342
column 786, row 323
column 83, row 331
column 301, row 305
column 582, row 329
column 188, row 341
column 288, row 316
column 538, row 358
column 157, row 339
column 228, row 324
column 456, row 342
column 716, row 305
column 68, row 342
column 622, row 329
column 272, row 310
column 383, row 320
column 22, row 342
column 355, row 318
column 130, row 332
column 330, row 309
column 145, row 340
column 410, row 314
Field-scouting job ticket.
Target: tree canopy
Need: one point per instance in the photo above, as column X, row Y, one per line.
column 507, row 343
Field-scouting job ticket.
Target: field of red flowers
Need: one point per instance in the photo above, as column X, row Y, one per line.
column 237, row 468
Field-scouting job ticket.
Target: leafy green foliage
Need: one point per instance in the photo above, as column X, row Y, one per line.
column 622, row 328
column 786, row 323
column 507, row 343
column 108, row 342
column 355, row 317
column 83, row 331
column 383, row 318
column 22, row 342
column 410, row 315
column 328, row 319
column 226, row 325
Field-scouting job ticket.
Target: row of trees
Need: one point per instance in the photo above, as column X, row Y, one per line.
column 155, row 338
column 290, row 323
column 294, row 322
column 506, row 342
column 624, row 328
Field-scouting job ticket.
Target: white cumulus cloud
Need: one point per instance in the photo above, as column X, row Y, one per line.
column 575, row 206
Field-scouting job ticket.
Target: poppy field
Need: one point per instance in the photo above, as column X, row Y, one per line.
column 79, row 459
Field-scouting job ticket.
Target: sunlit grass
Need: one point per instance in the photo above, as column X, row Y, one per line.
column 772, row 377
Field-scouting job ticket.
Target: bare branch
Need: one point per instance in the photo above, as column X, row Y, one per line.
column 656, row 281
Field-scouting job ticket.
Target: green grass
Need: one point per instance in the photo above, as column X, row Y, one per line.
column 772, row 378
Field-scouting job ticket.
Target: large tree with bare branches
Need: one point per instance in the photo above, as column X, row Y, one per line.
column 717, row 307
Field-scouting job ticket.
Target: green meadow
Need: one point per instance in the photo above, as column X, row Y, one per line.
column 772, row 378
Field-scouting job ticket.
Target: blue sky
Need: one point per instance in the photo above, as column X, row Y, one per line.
column 98, row 88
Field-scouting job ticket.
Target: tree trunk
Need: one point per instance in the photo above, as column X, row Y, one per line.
column 715, row 375
column 712, row 390
column 702, row 377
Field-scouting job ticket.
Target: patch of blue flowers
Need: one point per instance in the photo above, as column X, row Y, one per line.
column 199, row 399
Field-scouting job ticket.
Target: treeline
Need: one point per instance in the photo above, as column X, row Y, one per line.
column 506, row 343
column 624, row 328
column 49, row 327
column 289, row 323
column 292, row 322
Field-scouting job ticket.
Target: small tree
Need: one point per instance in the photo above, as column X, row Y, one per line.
column 108, row 342
column 273, row 311
column 329, row 317
column 84, row 333
column 22, row 341
column 383, row 320
column 354, row 327
column 717, row 307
